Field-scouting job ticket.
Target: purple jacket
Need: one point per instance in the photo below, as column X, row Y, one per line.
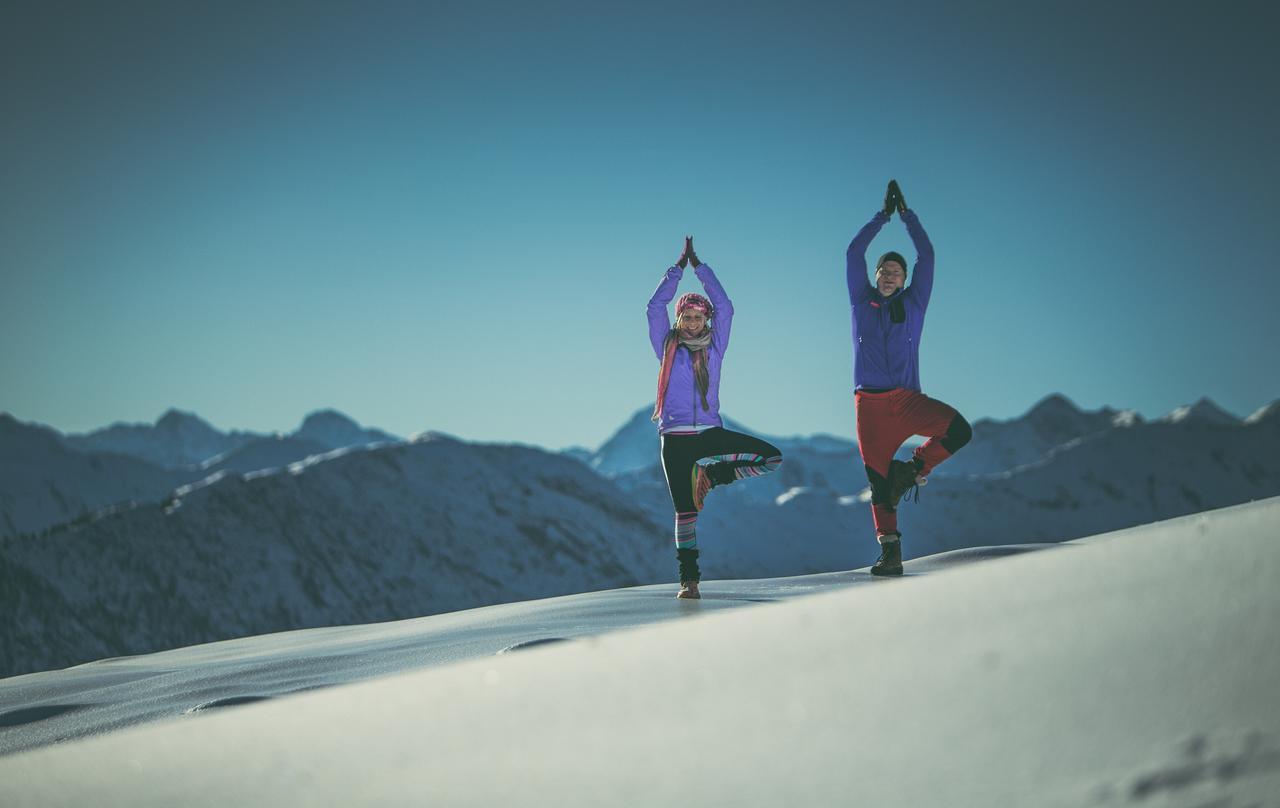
column 886, row 330
column 683, row 405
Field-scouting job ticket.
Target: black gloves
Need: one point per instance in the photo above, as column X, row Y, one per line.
column 688, row 256
column 893, row 200
column 897, row 196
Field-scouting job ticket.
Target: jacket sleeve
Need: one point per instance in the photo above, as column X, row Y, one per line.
column 921, row 287
column 659, row 320
column 722, row 320
column 855, row 259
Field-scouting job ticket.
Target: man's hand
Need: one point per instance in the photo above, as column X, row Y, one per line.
column 890, row 202
column 693, row 256
column 899, row 202
column 684, row 254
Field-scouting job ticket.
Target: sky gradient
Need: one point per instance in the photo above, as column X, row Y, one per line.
column 450, row 216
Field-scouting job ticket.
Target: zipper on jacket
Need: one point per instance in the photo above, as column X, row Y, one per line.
column 884, row 329
column 695, row 390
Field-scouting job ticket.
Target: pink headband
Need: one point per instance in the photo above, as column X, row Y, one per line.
column 693, row 300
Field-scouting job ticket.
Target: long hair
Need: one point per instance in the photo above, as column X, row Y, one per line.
column 701, row 374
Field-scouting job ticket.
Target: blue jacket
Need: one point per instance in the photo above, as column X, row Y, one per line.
column 683, row 404
column 887, row 330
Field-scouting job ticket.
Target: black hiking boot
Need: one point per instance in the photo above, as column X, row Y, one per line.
column 689, row 572
column 890, row 561
column 903, row 477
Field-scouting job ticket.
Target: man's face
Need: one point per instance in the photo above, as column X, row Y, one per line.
column 691, row 322
column 890, row 277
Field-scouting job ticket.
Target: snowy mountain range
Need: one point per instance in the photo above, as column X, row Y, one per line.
column 356, row 535
column 47, row 478
column 397, row 530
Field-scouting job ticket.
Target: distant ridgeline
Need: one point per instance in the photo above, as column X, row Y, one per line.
column 139, row 538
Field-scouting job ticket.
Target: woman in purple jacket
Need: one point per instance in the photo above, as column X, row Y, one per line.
column 688, row 406
column 888, row 320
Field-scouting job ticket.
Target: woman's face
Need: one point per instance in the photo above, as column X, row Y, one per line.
column 692, row 322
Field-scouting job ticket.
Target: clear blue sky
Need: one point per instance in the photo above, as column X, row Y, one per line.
column 450, row 215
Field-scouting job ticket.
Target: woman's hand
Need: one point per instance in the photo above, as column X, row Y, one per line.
column 693, row 256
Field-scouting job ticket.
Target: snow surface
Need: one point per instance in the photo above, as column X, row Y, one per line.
column 113, row 693
column 1136, row 668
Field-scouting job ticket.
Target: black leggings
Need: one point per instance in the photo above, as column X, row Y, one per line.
column 735, row 456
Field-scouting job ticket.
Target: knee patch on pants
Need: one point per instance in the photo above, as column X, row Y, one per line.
column 958, row 434
column 879, row 488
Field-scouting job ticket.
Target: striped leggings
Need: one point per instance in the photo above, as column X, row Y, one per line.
column 732, row 455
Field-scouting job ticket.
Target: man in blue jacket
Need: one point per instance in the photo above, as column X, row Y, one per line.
column 888, row 320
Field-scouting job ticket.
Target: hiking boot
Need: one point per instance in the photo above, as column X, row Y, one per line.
column 689, row 591
column 903, row 477
column 890, row 561
column 721, row 474
column 689, row 571
column 701, row 485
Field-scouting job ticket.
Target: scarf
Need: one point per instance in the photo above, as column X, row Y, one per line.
column 698, row 348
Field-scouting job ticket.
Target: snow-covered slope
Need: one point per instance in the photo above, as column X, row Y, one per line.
column 271, row 452
column 351, row 536
column 53, row 706
column 1035, row 680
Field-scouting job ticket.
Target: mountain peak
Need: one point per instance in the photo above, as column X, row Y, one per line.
column 174, row 418
column 1204, row 411
column 327, row 418
column 1270, row 412
column 187, row 427
column 338, row 431
column 1054, row 405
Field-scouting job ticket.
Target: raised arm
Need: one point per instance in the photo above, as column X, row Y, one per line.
column 659, row 320
column 723, row 319
column 860, row 289
column 921, row 287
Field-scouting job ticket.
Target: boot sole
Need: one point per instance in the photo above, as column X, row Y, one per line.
column 889, row 571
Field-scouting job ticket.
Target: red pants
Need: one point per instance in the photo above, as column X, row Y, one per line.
column 885, row 421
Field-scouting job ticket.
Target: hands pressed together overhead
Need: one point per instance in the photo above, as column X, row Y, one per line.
column 893, row 199
column 688, row 256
